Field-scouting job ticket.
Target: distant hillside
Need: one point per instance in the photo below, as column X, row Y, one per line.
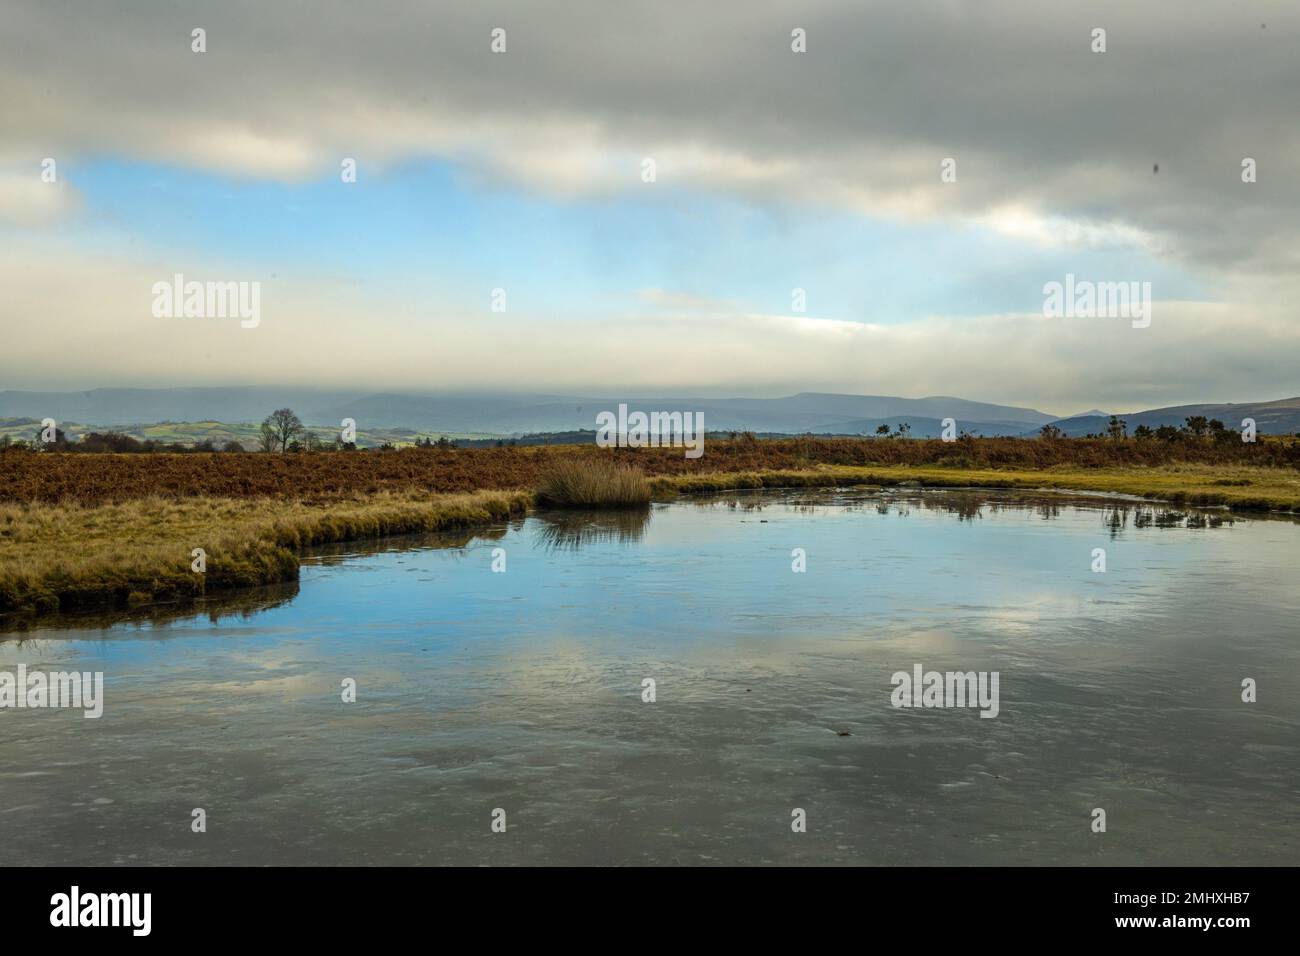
column 503, row 414
column 1280, row 417
column 127, row 406
column 387, row 416
column 193, row 433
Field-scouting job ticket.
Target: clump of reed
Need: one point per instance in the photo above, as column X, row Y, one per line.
column 592, row 482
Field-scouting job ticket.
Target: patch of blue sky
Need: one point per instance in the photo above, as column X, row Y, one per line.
column 431, row 231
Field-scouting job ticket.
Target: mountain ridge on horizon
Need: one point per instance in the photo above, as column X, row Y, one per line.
column 506, row 413
column 487, row 411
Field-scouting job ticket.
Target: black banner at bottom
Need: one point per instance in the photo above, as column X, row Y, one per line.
column 303, row 905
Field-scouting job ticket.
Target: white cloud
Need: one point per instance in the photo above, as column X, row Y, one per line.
column 72, row 320
column 1021, row 222
column 25, row 200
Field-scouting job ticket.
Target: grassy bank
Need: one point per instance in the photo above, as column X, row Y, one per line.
column 70, row 557
column 1236, row 488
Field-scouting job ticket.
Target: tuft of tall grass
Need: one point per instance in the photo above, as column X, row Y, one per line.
column 590, row 482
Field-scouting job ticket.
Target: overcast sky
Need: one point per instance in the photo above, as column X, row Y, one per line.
column 774, row 171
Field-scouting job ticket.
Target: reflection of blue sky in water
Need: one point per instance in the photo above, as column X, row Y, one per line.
column 524, row 687
column 703, row 572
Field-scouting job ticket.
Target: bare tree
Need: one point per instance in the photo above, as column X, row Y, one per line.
column 280, row 428
column 266, row 438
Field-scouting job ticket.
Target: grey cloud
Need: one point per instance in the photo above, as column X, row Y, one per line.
column 1007, row 87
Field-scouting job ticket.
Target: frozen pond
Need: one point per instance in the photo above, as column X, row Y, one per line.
column 523, row 690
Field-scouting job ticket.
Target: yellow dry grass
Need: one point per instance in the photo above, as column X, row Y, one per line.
column 63, row 556
column 1235, row 487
